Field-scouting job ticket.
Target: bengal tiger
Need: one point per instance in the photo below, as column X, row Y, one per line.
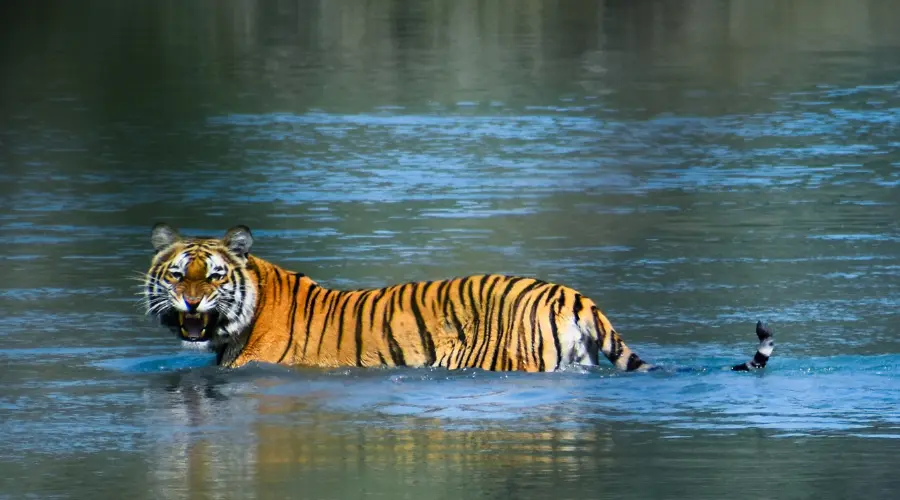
column 214, row 294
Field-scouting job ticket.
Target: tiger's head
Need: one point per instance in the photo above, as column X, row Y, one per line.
column 200, row 288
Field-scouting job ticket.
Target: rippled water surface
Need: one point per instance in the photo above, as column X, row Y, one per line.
column 693, row 167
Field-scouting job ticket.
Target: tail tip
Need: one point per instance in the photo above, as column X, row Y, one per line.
column 762, row 331
column 763, row 352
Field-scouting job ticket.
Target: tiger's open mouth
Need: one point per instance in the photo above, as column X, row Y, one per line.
column 193, row 326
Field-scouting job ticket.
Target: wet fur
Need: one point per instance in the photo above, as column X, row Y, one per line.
column 267, row 314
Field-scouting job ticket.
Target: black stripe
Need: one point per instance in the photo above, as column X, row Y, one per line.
column 576, row 308
column 401, row 292
column 457, row 323
column 332, row 297
column 252, row 266
column 472, row 325
column 615, row 348
column 424, row 335
column 396, row 352
column 148, row 289
column 381, row 292
column 283, row 279
column 308, row 310
column 501, row 332
column 521, row 347
column 341, row 316
column 228, row 258
column 154, row 280
column 634, row 362
column 598, row 340
column 536, row 337
column 554, row 331
column 440, row 362
column 548, row 303
column 277, row 284
column 424, row 287
column 506, row 334
column 450, row 311
column 477, row 311
column 460, row 332
column 266, row 281
column 261, row 296
column 431, row 307
column 441, row 292
column 483, row 350
column 240, row 290
column 359, row 324
column 153, row 284
column 157, row 276
column 458, row 360
column 521, row 350
column 462, row 291
column 293, row 317
column 561, row 300
column 444, row 301
column 163, row 259
column 484, row 322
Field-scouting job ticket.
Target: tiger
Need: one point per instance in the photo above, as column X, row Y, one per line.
column 214, row 295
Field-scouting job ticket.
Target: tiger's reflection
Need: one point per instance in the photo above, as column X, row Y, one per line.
column 225, row 436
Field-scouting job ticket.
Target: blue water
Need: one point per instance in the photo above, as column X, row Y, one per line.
column 692, row 168
column 793, row 397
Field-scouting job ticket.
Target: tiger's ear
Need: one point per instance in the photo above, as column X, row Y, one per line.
column 163, row 235
column 239, row 240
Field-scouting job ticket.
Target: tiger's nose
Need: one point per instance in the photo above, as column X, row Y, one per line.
column 192, row 302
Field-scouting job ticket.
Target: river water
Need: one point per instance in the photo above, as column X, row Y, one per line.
column 691, row 166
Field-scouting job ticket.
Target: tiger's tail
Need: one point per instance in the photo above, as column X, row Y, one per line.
column 763, row 352
column 610, row 344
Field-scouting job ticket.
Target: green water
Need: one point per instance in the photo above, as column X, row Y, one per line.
column 691, row 166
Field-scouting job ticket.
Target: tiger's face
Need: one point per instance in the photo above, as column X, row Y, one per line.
column 200, row 287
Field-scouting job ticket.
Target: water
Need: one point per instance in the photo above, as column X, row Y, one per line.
column 692, row 167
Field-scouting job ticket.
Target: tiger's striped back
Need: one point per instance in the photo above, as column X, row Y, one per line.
column 491, row 322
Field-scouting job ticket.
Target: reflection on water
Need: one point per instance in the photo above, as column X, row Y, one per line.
column 693, row 167
column 285, row 434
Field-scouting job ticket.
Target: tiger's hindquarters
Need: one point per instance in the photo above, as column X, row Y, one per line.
column 613, row 348
column 621, row 355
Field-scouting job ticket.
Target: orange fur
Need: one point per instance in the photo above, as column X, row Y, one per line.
column 491, row 322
